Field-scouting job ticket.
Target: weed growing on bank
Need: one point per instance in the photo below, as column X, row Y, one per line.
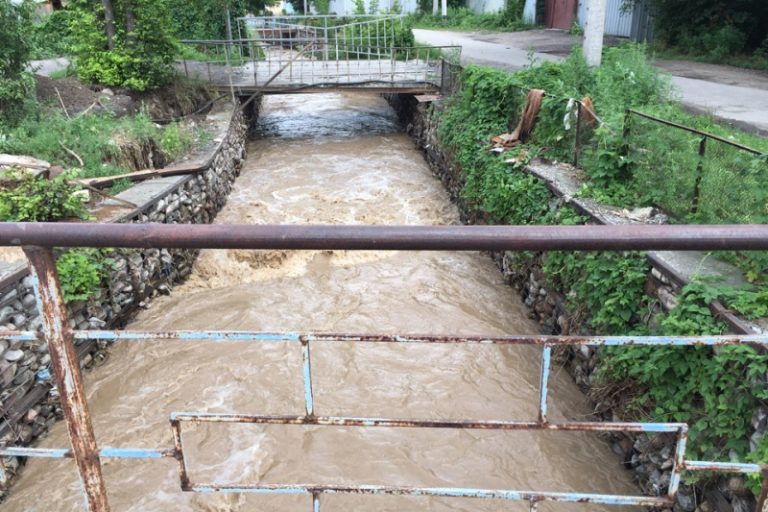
column 94, row 139
column 715, row 390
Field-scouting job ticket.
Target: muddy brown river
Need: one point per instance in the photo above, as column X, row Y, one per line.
column 336, row 159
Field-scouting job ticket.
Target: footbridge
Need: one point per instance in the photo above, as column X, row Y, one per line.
column 290, row 54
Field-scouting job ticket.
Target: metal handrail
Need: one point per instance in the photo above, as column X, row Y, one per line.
column 745, row 237
column 37, row 240
column 690, row 129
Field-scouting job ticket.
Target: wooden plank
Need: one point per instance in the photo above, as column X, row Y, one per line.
column 175, row 170
column 23, row 161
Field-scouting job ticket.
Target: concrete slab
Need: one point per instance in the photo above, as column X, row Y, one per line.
column 565, row 181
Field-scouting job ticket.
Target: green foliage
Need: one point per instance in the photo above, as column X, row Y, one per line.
column 759, row 456
column 461, row 18
column 16, row 85
column 322, row 6
column 714, row 390
column 359, row 7
column 40, row 200
column 717, row 28
column 607, row 286
column 362, row 40
column 175, row 140
column 81, row 272
column 144, row 45
column 49, row 35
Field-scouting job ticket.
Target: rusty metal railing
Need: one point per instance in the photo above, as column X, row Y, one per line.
column 37, row 241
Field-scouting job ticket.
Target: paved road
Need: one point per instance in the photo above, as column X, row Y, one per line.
column 735, row 95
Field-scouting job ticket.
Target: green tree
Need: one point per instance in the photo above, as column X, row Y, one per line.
column 711, row 26
column 15, row 83
column 127, row 43
column 207, row 19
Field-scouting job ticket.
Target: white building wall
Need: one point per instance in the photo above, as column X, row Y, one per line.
column 485, row 6
column 347, row 7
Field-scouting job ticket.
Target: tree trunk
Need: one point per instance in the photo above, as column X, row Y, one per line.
column 130, row 25
column 109, row 21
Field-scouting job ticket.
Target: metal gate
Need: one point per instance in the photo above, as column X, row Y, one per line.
column 37, row 240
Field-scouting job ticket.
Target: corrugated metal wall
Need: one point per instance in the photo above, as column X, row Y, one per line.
column 617, row 22
column 635, row 23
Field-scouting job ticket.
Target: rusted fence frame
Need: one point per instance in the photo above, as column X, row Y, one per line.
column 309, row 418
column 67, row 371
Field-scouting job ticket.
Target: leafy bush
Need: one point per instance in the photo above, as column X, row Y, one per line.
column 40, row 200
column 141, row 53
column 81, row 272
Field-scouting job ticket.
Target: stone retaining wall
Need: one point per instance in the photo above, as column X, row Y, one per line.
column 649, row 457
column 27, row 399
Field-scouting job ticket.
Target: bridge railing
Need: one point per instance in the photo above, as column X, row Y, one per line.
column 38, row 240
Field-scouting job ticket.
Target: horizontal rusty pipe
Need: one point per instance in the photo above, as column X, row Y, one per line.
column 437, row 492
column 347, row 421
column 429, row 238
column 696, row 131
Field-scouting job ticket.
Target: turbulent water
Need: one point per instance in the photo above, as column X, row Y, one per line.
column 338, row 159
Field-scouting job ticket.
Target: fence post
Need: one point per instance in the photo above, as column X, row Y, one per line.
column 626, row 132
column 762, row 501
column 699, row 172
column 66, row 373
column 577, row 145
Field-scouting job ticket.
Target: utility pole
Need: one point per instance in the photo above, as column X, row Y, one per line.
column 445, row 8
column 435, row 7
column 593, row 32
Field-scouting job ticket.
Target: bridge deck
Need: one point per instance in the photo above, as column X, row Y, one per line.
column 266, row 76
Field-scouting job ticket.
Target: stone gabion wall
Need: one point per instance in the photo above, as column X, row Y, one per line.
column 28, row 402
column 649, row 457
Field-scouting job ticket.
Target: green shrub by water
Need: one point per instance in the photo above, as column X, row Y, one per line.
column 715, row 391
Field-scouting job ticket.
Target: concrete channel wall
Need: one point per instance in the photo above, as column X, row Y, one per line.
column 649, row 457
column 27, row 399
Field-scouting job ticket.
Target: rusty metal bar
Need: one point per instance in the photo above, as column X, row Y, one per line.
column 679, row 462
column 694, row 130
column 431, row 238
column 309, row 406
column 541, row 340
column 349, row 421
column 762, row 500
column 546, row 362
column 577, row 142
column 437, row 492
column 66, row 372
